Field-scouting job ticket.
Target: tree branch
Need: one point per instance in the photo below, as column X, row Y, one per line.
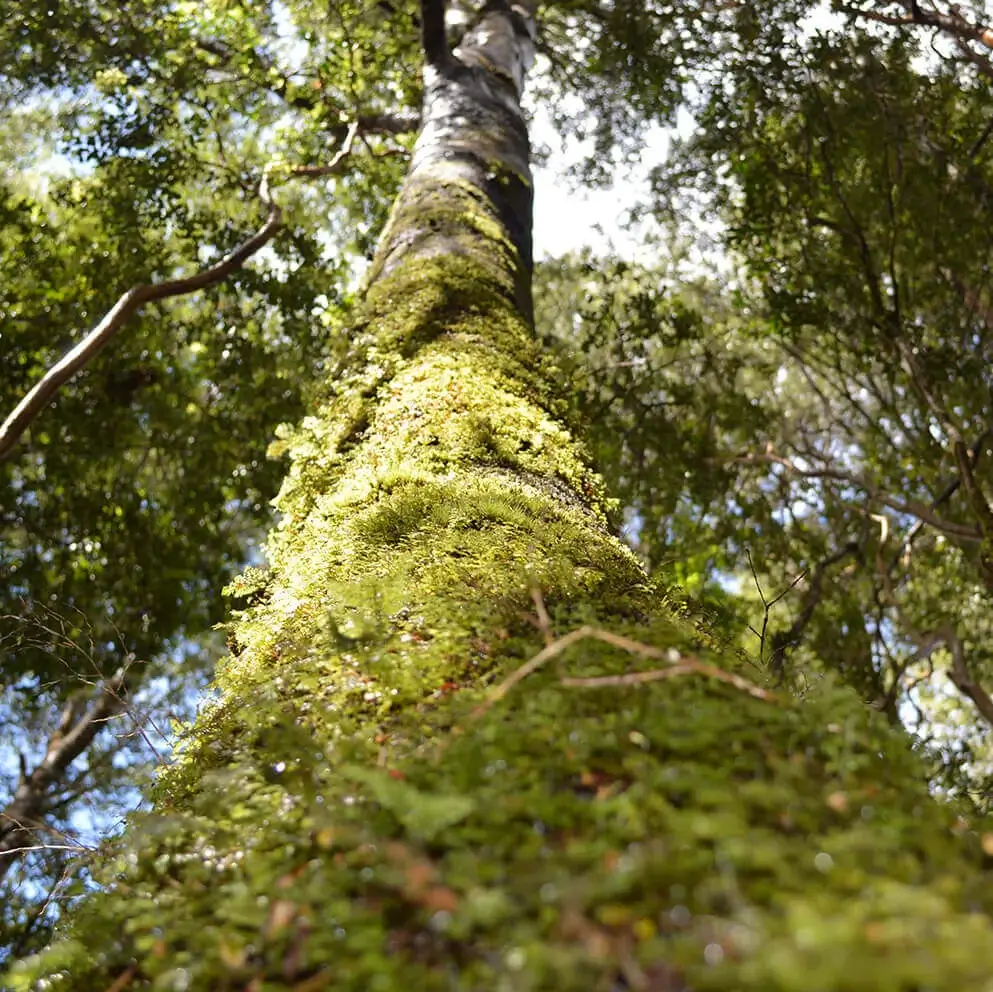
column 920, row 384
column 784, row 640
column 960, row 674
column 910, row 507
column 307, row 98
column 39, row 396
column 963, row 455
column 22, row 817
column 973, row 490
column 953, row 24
column 962, row 679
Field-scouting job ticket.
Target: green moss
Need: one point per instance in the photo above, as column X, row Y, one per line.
column 559, row 840
column 354, row 814
column 459, row 212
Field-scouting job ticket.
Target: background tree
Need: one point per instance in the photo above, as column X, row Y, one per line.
column 845, row 468
column 847, row 156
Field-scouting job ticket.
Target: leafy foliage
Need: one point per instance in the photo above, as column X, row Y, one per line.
column 824, row 434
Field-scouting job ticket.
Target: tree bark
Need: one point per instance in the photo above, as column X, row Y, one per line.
column 464, row 742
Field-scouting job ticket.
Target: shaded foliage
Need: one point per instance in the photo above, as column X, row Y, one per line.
column 825, row 432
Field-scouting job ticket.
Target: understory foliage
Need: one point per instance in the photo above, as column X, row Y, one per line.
column 784, row 412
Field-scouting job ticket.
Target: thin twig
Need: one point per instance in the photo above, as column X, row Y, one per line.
column 544, row 621
column 686, row 667
column 793, row 584
column 27, row 848
column 546, row 654
column 755, row 578
column 678, row 665
column 765, row 606
column 123, row 980
column 784, row 640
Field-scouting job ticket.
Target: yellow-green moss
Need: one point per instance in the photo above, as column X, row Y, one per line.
column 350, row 815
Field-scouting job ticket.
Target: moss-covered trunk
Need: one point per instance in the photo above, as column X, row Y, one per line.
column 401, row 789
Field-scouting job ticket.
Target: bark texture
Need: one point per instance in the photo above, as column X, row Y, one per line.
column 396, row 789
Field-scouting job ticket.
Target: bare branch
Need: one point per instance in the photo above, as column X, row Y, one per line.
column 691, row 666
column 23, row 815
column 677, row 664
column 767, row 604
column 910, row 507
column 544, row 621
column 39, row 396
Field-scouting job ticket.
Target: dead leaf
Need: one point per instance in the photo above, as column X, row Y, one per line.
column 440, row 898
column 282, row 913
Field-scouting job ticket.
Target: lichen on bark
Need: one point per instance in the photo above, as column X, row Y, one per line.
column 357, row 811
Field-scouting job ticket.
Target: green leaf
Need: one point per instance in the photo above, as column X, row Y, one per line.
column 424, row 814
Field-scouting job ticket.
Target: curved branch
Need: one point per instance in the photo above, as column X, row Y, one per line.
column 76, row 358
column 39, row 396
column 960, row 674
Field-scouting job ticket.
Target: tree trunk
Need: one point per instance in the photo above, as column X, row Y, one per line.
column 464, row 743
